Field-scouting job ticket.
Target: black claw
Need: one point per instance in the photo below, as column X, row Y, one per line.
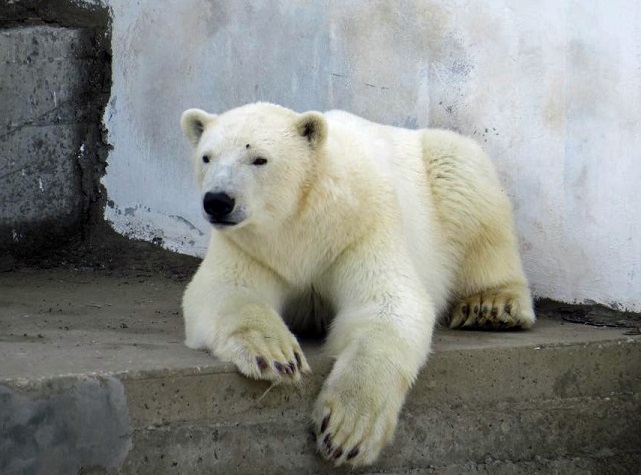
column 299, row 363
column 508, row 308
column 292, row 367
column 262, row 364
column 324, row 424
column 352, row 453
column 465, row 310
column 484, row 310
column 476, row 309
column 337, row 454
column 495, row 312
column 279, row 367
column 327, row 442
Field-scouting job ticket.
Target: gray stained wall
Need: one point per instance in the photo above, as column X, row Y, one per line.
column 55, row 78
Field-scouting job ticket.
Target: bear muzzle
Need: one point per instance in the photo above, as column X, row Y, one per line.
column 218, row 208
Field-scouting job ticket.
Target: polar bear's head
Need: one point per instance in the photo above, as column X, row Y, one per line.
column 254, row 163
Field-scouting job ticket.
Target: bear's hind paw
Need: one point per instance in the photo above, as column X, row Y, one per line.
column 499, row 309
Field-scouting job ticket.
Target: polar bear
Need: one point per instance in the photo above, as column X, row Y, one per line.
column 329, row 221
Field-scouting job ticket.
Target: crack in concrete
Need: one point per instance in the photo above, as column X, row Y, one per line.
column 42, row 117
column 13, row 172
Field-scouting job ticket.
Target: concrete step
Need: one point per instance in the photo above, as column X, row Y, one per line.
column 94, row 379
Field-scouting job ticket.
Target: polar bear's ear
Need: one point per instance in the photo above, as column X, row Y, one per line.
column 313, row 126
column 193, row 123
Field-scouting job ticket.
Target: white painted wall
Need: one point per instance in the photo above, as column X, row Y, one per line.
column 551, row 88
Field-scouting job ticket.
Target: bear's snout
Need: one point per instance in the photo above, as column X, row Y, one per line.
column 218, row 206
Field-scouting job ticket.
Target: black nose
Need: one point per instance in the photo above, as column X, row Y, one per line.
column 218, row 205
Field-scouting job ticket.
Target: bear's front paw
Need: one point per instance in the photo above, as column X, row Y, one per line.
column 272, row 354
column 354, row 421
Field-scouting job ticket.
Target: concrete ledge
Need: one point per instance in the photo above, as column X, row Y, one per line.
column 80, row 350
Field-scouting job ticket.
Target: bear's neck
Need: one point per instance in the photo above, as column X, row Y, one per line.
column 301, row 249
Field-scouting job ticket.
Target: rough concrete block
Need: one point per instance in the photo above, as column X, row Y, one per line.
column 40, row 180
column 75, row 423
column 84, row 13
column 43, row 74
column 47, row 84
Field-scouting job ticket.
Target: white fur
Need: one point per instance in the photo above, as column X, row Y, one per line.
column 389, row 227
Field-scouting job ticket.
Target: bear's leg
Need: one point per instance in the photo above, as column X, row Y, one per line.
column 380, row 338
column 238, row 325
column 492, row 288
column 261, row 346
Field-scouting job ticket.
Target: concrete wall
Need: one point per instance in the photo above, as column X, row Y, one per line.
column 54, row 81
column 551, row 89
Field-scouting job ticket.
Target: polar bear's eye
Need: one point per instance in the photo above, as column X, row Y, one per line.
column 259, row 161
column 206, row 158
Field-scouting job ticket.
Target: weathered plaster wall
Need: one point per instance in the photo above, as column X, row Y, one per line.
column 551, row 89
